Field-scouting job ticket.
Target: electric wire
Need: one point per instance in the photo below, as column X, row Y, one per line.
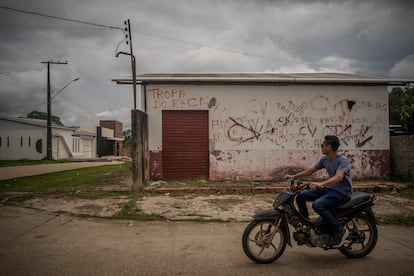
column 234, row 51
column 27, row 47
column 62, row 18
column 45, row 55
column 52, row 27
column 18, row 82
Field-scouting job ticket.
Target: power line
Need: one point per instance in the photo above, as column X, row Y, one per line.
column 244, row 53
column 89, row 85
column 20, row 82
column 52, row 27
column 218, row 48
column 27, row 47
column 62, row 18
column 10, row 83
column 234, row 51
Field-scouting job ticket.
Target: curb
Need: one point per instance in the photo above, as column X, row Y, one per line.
column 266, row 189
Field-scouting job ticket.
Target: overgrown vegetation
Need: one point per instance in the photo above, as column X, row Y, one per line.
column 401, row 101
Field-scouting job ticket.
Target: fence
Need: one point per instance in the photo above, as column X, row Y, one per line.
column 402, row 156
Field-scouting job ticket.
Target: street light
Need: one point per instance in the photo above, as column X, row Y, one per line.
column 134, row 76
column 49, row 120
column 66, row 85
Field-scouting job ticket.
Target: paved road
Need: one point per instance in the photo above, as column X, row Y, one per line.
column 39, row 243
column 30, row 170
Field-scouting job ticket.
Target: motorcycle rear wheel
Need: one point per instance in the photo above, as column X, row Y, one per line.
column 363, row 236
column 263, row 242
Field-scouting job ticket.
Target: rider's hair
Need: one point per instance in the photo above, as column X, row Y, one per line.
column 333, row 141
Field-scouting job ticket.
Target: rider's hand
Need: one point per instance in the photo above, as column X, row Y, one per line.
column 289, row 176
column 315, row 185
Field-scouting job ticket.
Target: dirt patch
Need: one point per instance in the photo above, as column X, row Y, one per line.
column 210, row 207
column 103, row 207
column 242, row 207
column 393, row 205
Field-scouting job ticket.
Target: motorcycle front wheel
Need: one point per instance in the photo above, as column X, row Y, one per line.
column 363, row 235
column 263, row 241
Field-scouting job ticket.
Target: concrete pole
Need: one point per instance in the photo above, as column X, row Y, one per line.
column 49, row 118
column 49, row 155
column 137, row 173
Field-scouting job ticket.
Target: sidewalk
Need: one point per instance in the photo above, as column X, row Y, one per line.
column 30, row 170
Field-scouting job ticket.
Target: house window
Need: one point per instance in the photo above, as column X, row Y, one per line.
column 39, row 147
column 30, row 141
column 0, row 142
column 21, row 141
column 76, row 144
column 8, row 141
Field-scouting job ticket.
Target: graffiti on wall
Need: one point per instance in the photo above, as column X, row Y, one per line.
column 284, row 123
column 300, row 124
column 243, row 131
column 174, row 99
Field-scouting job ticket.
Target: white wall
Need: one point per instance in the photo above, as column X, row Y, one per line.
column 259, row 131
column 107, row 132
column 13, row 148
column 18, row 141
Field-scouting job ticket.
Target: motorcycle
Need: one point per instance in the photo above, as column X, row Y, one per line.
column 266, row 236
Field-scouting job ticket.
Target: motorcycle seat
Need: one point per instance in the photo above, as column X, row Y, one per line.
column 357, row 199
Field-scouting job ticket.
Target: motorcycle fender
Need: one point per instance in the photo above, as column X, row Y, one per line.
column 370, row 213
column 267, row 214
column 285, row 228
column 273, row 214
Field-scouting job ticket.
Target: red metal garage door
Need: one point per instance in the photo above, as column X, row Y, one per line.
column 185, row 144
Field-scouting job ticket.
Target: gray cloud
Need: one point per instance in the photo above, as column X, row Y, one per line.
column 368, row 37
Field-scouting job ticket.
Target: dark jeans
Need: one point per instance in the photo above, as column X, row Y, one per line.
column 324, row 200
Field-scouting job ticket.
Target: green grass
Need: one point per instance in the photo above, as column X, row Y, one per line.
column 67, row 180
column 407, row 220
column 80, row 183
column 26, row 162
column 131, row 211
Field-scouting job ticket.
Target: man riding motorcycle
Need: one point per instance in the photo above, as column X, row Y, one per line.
column 330, row 193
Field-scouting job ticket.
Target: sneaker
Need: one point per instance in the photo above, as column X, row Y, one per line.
column 339, row 238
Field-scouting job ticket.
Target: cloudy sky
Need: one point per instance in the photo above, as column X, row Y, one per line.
column 365, row 37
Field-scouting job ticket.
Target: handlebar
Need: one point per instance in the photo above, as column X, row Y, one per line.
column 297, row 185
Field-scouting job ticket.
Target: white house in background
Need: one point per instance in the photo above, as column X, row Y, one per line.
column 23, row 138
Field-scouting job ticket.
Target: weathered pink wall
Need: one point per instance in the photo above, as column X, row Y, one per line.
column 259, row 132
column 274, row 164
column 155, row 164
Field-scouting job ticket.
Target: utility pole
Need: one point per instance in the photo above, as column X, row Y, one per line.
column 136, row 125
column 139, row 125
column 134, row 74
column 49, row 113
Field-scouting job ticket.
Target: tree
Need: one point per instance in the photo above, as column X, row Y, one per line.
column 43, row 116
column 127, row 137
column 401, row 102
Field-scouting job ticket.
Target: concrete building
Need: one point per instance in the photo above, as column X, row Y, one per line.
column 110, row 138
column 261, row 126
column 23, row 138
